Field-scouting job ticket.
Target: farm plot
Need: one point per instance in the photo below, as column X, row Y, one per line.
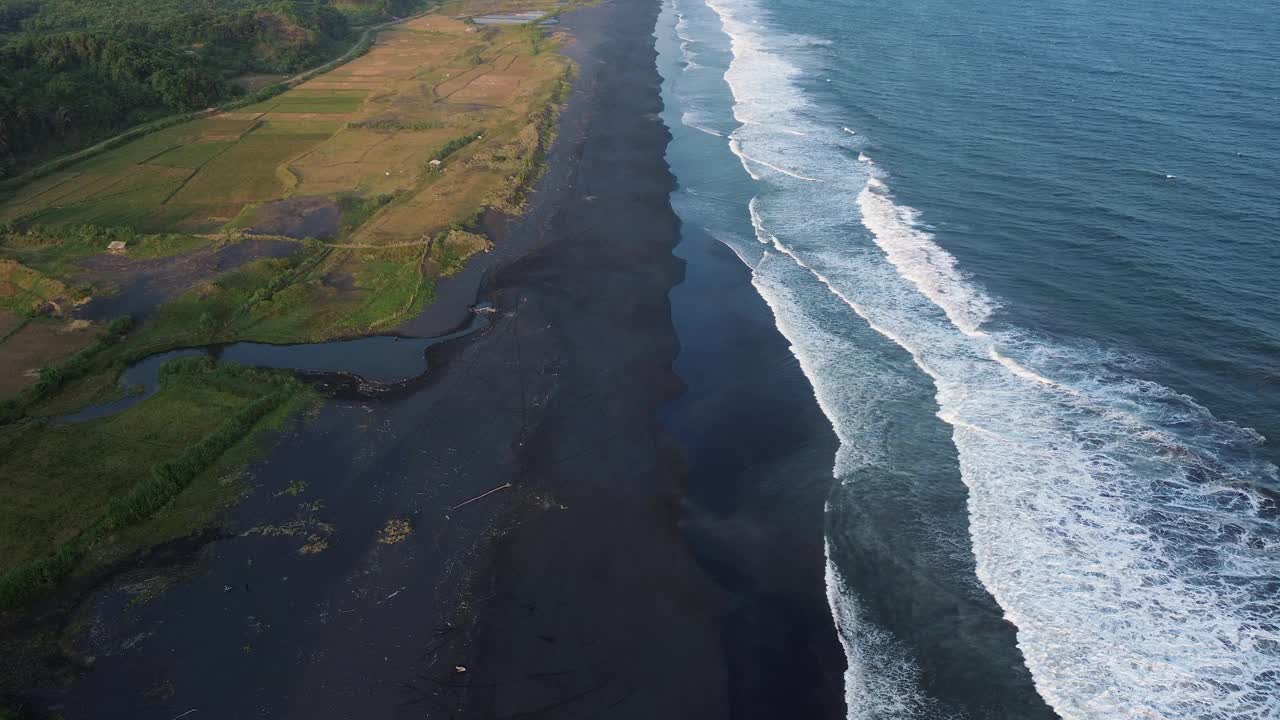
column 247, row 172
column 302, row 100
column 367, row 162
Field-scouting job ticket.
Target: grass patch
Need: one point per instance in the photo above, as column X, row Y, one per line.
column 58, row 251
column 452, row 248
column 219, row 310
column 54, row 377
column 393, row 288
column 455, row 145
column 97, row 386
column 191, row 156
column 59, row 479
column 23, row 290
column 298, row 127
column 247, row 171
column 291, row 103
column 356, row 210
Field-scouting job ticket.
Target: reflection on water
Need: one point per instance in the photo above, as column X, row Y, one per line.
column 380, row 359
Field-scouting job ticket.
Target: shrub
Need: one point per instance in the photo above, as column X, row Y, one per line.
column 455, row 145
column 172, row 476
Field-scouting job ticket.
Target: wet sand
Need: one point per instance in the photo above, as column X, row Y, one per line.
column 600, row 578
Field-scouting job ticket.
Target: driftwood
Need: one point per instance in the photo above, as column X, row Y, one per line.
column 481, row 495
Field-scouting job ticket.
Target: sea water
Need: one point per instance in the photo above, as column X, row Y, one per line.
column 1028, row 255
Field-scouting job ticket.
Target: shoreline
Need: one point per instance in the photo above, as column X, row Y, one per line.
column 753, row 634
column 130, row 643
column 589, row 585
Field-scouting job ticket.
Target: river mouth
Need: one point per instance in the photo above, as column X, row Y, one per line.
column 380, row 360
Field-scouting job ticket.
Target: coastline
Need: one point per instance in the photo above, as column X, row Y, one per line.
column 688, row 580
column 526, row 511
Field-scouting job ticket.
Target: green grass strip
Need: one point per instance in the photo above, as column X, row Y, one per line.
column 31, row 580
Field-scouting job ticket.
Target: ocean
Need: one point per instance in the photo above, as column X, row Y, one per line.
column 1027, row 254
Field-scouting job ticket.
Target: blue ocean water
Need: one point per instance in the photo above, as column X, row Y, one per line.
column 1026, row 254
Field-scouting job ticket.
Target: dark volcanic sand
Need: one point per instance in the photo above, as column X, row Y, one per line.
column 596, row 612
column 608, row 581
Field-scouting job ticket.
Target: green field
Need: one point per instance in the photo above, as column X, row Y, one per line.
column 191, row 156
column 299, row 127
column 53, row 497
column 246, row 172
column 314, row 101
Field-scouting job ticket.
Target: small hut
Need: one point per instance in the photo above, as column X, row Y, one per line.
column 117, row 247
column 435, row 165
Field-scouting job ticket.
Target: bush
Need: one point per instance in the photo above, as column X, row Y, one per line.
column 28, row 580
column 455, row 145
column 395, row 125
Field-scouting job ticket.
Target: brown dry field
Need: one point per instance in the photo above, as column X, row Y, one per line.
column 9, row 321
column 42, row 341
column 422, row 84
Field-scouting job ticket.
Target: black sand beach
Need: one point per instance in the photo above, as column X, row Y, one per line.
column 635, row 558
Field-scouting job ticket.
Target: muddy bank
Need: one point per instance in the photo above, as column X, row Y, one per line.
column 298, row 217
column 141, row 286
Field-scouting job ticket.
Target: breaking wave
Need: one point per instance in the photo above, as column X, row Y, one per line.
column 1126, row 532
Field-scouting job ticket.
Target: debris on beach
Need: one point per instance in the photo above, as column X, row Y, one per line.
column 396, row 530
column 481, row 495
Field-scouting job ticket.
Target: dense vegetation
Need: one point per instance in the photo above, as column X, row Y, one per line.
column 64, row 90
column 73, row 72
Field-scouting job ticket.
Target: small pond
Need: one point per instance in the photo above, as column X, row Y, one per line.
column 380, row 359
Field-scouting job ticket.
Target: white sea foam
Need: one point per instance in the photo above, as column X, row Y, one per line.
column 877, row 667
column 756, row 223
column 1133, row 559
column 1115, row 521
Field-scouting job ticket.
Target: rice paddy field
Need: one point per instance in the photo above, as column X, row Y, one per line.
column 367, row 127
column 342, row 158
